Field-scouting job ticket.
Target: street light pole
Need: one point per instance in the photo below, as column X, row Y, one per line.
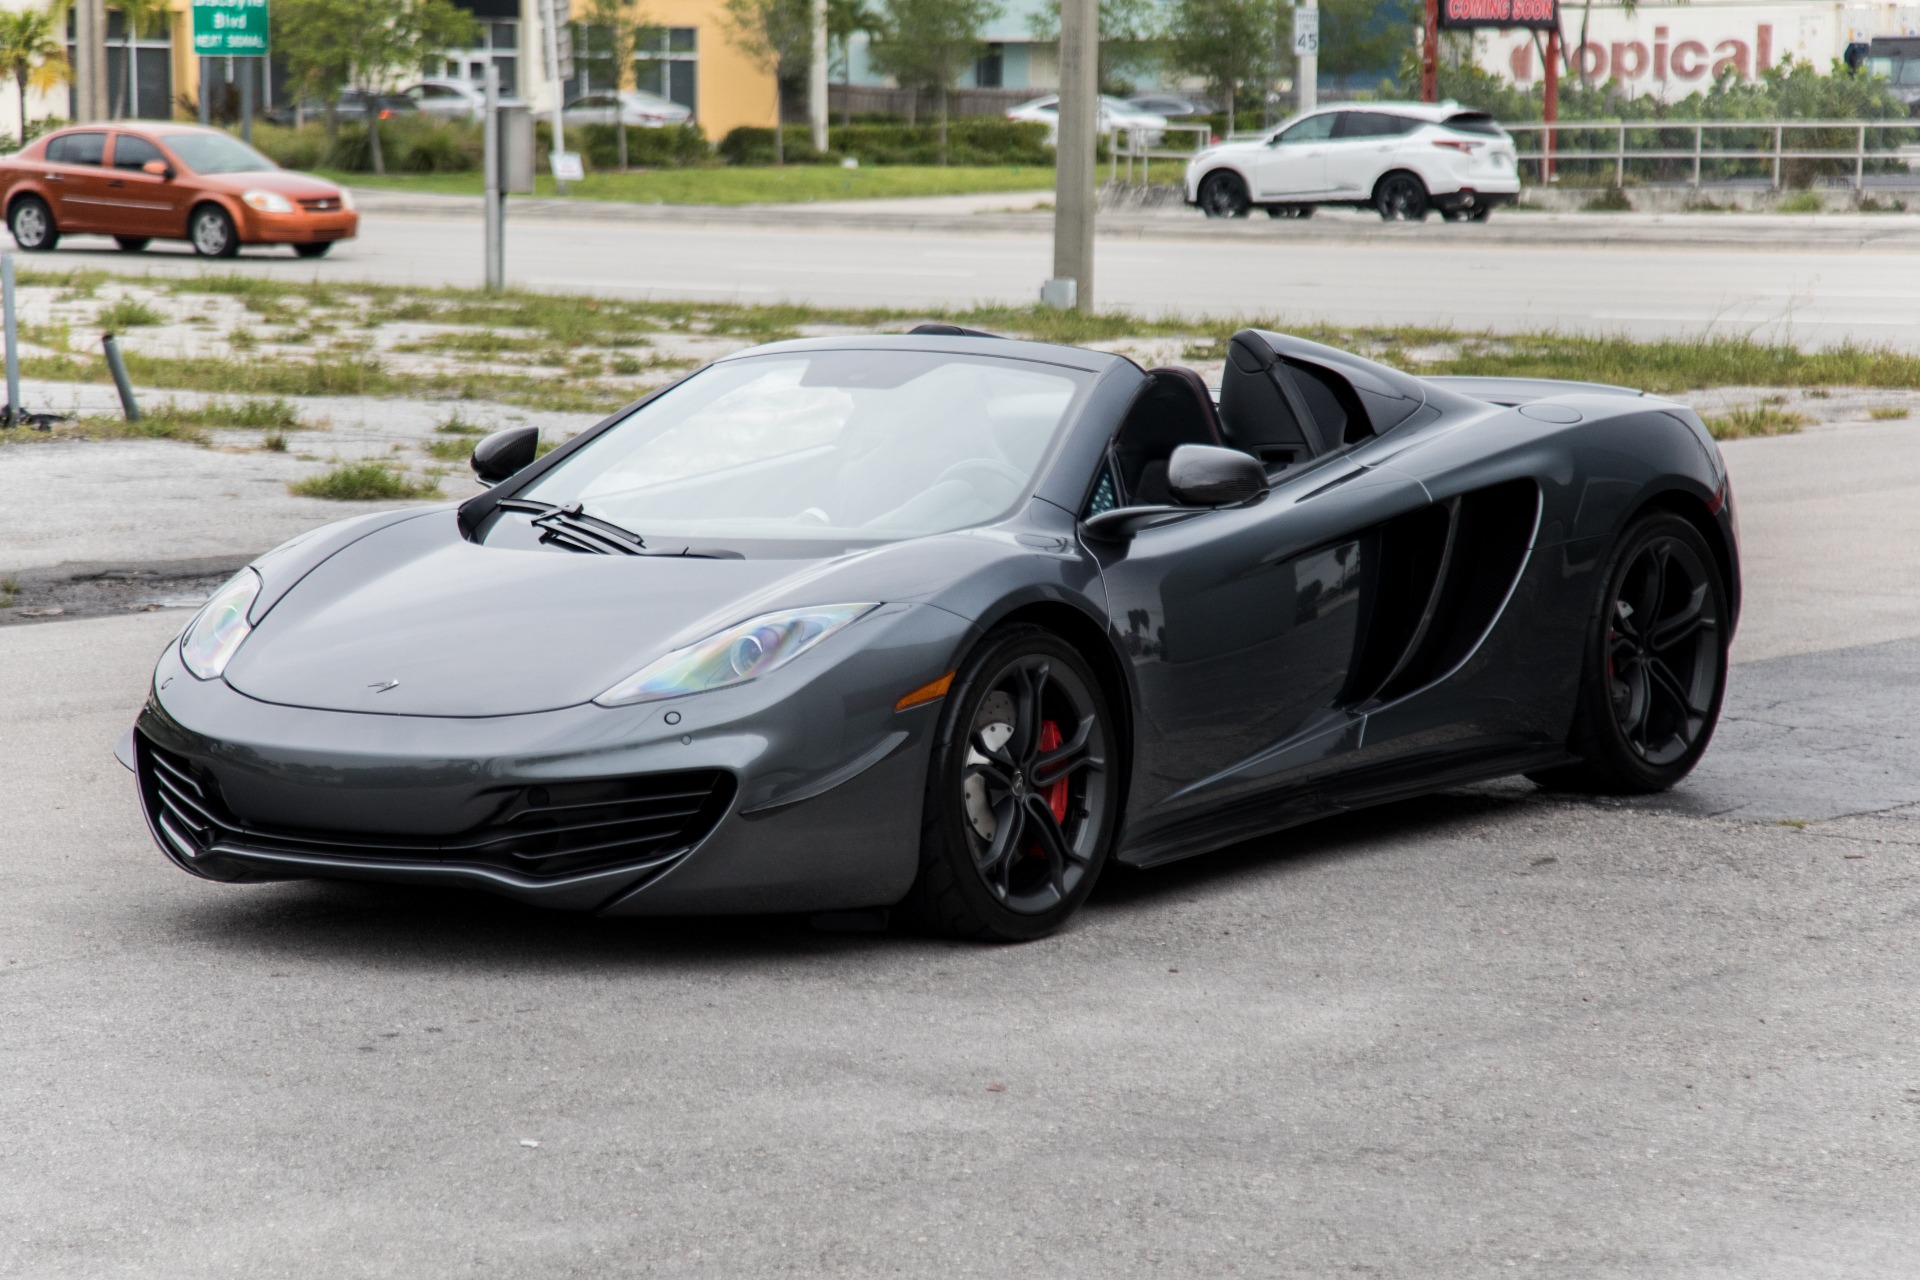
column 1306, row 48
column 817, row 77
column 1074, row 144
column 494, row 208
column 557, row 11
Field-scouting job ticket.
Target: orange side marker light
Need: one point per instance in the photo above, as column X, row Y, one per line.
column 932, row 691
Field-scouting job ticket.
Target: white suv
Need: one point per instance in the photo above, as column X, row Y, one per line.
column 1401, row 158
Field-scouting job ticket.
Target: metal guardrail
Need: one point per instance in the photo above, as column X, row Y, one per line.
column 1621, row 144
column 1137, row 149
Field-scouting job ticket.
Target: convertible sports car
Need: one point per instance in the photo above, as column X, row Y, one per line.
column 948, row 622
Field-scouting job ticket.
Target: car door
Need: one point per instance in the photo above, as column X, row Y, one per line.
column 1242, row 626
column 1294, row 162
column 1361, row 150
column 76, row 180
column 142, row 203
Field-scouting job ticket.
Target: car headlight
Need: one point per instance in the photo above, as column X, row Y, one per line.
column 217, row 631
column 346, row 199
column 268, row 202
column 741, row 653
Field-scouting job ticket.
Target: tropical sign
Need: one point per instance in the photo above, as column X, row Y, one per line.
column 230, row 28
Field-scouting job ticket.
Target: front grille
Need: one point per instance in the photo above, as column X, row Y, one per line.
column 324, row 204
column 543, row 831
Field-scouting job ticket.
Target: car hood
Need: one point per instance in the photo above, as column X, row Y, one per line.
column 295, row 186
column 471, row 630
column 474, row 630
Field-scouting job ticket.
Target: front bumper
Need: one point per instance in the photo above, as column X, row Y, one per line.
column 298, row 228
column 814, row 803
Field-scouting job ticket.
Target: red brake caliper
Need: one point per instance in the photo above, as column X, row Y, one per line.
column 1056, row 792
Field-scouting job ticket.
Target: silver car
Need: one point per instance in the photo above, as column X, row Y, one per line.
column 631, row 107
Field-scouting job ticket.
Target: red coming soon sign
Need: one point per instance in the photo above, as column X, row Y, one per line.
column 1543, row 15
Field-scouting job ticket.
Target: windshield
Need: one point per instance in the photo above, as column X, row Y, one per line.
column 217, row 153
column 832, row 446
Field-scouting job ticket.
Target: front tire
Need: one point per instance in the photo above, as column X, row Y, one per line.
column 1022, row 792
column 1224, row 195
column 212, row 232
column 31, row 222
column 1655, row 667
column 1401, row 197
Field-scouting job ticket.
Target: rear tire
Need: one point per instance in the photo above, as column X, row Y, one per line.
column 313, row 250
column 1401, row 197
column 31, row 222
column 1224, row 195
column 1655, row 667
column 1022, row 793
column 133, row 244
column 212, row 232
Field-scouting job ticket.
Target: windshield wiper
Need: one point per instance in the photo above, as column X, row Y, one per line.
column 571, row 527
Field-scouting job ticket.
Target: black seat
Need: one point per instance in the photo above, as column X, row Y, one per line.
column 1173, row 409
column 1259, row 412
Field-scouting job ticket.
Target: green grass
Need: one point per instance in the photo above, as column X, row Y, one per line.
column 362, row 482
column 1800, row 202
column 1764, row 419
column 127, row 313
column 453, row 450
column 1886, row 413
column 744, row 185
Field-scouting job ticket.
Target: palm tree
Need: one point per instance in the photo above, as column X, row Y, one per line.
column 31, row 51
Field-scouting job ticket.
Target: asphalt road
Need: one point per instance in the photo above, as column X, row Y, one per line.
column 1489, row 1032
column 1812, row 281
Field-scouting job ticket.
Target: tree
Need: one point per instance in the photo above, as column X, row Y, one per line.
column 845, row 20
column 1228, row 43
column 617, row 26
column 1126, row 35
column 777, row 36
column 31, row 52
column 366, row 43
column 1365, row 36
column 926, row 44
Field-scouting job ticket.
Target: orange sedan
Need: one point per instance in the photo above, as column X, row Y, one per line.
column 140, row 182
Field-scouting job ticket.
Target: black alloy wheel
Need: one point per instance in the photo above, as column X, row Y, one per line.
column 1224, row 195
column 133, row 244
column 316, row 250
column 1481, row 212
column 212, row 232
column 31, row 222
column 1022, row 793
column 1656, row 664
column 1401, row 197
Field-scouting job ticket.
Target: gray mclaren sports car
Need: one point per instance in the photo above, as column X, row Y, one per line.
column 948, row 622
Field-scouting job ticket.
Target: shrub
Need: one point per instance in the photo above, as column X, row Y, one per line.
column 970, row 140
column 671, row 147
column 127, row 313
column 410, row 144
column 362, row 482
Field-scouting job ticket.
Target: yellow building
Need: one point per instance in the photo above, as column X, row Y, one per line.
column 690, row 60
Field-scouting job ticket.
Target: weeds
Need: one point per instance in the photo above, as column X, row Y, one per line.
column 1764, row 419
column 456, row 450
column 1608, row 200
column 455, row 425
column 1801, row 202
column 1886, row 413
column 362, row 482
column 275, row 442
column 127, row 313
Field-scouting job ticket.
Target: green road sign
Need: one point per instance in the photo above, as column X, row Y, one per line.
column 230, row 28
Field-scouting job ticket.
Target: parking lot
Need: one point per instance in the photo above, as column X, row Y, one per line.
column 1489, row 1032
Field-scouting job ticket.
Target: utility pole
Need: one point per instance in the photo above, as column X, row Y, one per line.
column 494, row 208
column 90, row 60
column 1306, row 55
column 817, row 77
column 558, row 12
column 1430, row 54
column 1074, row 143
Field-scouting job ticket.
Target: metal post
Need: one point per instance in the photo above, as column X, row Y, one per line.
column 1430, row 57
column 1777, row 147
column 206, row 109
column 1696, row 156
column 817, row 78
column 118, row 367
column 494, row 205
column 551, row 21
column 1550, row 101
column 1306, row 72
column 12, row 325
column 1620, row 160
column 1075, row 144
column 1860, row 163
column 246, row 102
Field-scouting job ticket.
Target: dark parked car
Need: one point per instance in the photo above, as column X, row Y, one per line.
column 949, row 622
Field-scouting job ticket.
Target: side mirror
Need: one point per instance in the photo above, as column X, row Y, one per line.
column 1204, row 475
column 158, row 168
column 504, row 452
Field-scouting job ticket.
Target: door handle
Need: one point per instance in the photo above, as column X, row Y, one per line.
column 116, row 183
column 54, row 177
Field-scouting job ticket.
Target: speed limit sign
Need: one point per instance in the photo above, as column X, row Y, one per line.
column 1306, row 32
